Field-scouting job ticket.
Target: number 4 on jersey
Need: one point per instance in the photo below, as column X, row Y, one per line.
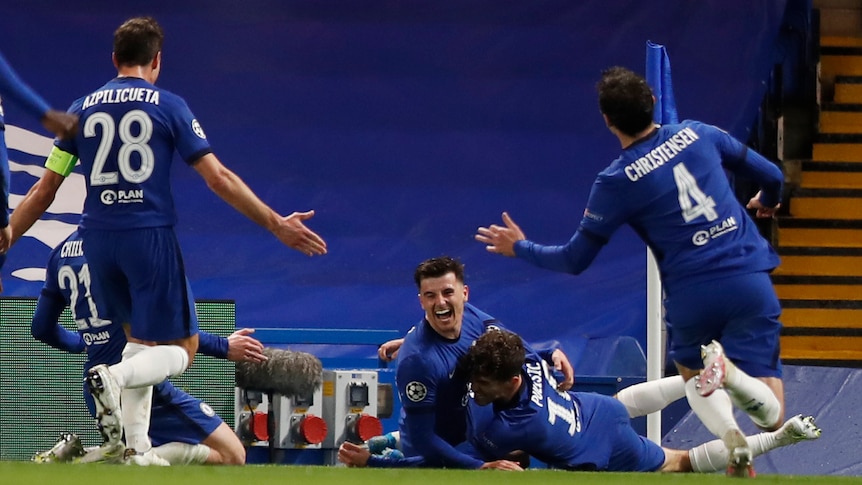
column 692, row 201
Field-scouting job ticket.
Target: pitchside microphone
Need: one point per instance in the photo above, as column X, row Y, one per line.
column 284, row 372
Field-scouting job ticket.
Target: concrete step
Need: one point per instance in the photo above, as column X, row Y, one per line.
column 819, row 292
column 844, row 152
column 821, row 348
column 832, row 65
column 826, row 207
column 840, row 41
column 848, row 89
column 822, row 317
column 840, row 118
column 831, row 180
column 819, row 233
column 812, row 265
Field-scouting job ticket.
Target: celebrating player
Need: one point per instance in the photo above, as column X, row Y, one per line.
column 669, row 185
column 130, row 130
column 577, row 430
column 184, row 430
column 433, row 392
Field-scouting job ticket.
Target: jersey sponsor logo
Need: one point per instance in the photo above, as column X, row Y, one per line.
column 96, row 338
column 199, row 131
column 207, row 410
column 110, row 197
column 416, row 391
column 724, row 227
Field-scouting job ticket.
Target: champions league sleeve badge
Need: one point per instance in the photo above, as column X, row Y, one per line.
column 416, row 391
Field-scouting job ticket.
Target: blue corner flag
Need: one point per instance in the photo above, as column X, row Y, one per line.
column 659, row 79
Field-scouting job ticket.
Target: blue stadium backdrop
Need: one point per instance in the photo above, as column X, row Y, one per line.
column 404, row 125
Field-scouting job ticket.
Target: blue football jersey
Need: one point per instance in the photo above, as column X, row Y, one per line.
column 129, row 131
column 68, row 283
column 672, row 189
column 427, row 378
column 567, row 430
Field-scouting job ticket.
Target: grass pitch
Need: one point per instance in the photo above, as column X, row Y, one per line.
column 16, row 472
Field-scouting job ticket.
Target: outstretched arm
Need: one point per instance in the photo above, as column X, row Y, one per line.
column 290, row 230
column 64, row 125
column 238, row 347
column 509, row 240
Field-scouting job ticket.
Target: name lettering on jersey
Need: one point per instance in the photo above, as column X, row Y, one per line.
column 534, row 370
column 661, row 154
column 124, row 95
column 72, row 249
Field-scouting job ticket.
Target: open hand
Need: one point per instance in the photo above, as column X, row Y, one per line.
column 501, row 239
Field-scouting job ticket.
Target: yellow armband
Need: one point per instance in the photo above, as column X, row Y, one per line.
column 61, row 162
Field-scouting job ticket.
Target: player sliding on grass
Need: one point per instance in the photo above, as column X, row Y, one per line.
column 432, row 391
column 516, row 407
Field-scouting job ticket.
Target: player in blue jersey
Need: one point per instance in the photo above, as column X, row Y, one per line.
column 669, row 185
column 61, row 124
column 577, row 430
column 184, row 430
column 432, row 391
column 130, row 131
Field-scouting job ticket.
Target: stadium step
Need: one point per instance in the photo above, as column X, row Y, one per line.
column 826, row 204
column 840, row 118
column 844, row 147
column 831, row 175
column 827, row 233
column 818, row 288
column 820, row 316
column 848, row 89
column 834, row 262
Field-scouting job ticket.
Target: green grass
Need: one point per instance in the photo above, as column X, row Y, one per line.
column 16, row 472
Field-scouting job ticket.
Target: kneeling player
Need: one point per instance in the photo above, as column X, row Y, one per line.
column 183, row 429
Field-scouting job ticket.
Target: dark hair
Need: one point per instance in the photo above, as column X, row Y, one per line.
column 626, row 99
column 137, row 41
column 497, row 355
column 437, row 267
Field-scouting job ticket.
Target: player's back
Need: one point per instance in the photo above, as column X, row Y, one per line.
column 543, row 422
column 129, row 132
column 672, row 189
column 69, row 274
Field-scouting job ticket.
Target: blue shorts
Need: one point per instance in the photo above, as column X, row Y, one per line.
column 611, row 443
column 741, row 312
column 140, row 279
column 176, row 416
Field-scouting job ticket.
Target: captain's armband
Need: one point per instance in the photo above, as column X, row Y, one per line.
column 61, row 162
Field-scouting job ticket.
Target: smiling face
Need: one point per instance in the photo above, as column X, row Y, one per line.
column 443, row 300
